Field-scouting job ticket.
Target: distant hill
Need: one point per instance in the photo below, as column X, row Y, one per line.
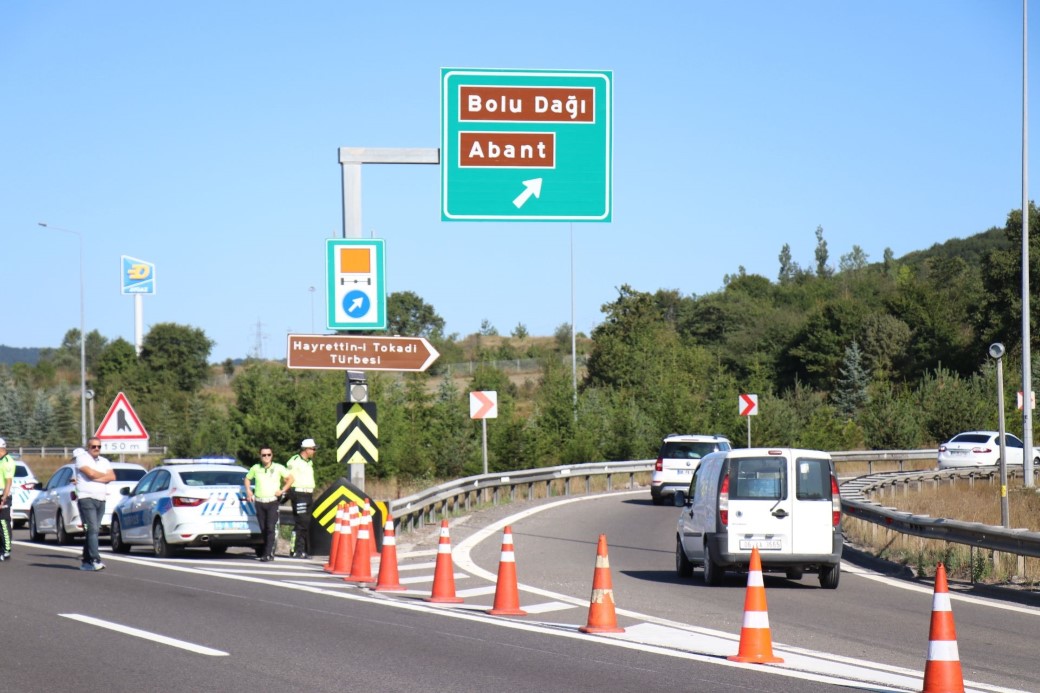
column 973, row 249
column 13, row 355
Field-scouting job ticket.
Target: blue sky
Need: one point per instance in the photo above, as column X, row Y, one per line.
column 203, row 137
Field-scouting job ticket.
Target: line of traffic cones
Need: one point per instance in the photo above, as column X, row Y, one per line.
column 942, row 673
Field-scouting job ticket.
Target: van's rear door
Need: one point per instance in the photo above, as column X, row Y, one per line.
column 760, row 505
column 813, row 523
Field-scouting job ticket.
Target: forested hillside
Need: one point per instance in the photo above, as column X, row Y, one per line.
column 843, row 354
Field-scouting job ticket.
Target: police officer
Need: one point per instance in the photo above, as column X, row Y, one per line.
column 7, row 469
column 301, row 466
column 271, row 480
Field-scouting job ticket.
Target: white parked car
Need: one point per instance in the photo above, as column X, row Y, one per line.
column 24, row 489
column 981, row 449
column 184, row 503
column 677, row 460
column 55, row 511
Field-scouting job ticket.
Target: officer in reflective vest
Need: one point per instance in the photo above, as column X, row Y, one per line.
column 7, row 470
column 301, row 466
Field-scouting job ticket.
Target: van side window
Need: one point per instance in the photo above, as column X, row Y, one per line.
column 758, row 478
column 814, row 479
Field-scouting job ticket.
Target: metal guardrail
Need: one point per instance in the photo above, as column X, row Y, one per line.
column 855, row 504
column 425, row 506
column 415, row 510
column 66, row 451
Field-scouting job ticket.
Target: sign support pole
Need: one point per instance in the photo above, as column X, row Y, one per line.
column 350, row 159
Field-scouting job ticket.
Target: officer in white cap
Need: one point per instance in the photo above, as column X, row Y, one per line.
column 301, row 466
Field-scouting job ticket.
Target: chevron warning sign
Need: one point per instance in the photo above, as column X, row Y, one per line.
column 357, row 434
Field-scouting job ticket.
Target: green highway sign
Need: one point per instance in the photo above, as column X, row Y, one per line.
column 526, row 145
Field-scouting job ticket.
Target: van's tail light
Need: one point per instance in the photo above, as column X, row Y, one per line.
column 185, row 502
column 659, row 465
column 835, row 502
column 29, row 486
column 724, row 500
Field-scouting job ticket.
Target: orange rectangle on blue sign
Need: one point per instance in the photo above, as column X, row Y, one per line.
column 355, row 260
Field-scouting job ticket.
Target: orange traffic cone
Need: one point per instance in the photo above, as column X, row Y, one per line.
column 756, row 643
column 444, row 573
column 373, row 550
column 942, row 671
column 507, row 592
column 361, row 566
column 388, row 578
column 345, row 555
column 341, row 516
column 354, row 522
column 602, row 618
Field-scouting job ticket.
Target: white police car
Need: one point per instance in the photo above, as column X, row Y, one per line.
column 183, row 503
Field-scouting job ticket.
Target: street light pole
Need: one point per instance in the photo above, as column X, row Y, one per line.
column 82, row 335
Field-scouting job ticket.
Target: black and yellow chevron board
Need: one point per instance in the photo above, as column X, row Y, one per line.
column 357, row 433
column 324, row 508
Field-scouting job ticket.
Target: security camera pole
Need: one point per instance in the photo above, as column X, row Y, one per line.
column 996, row 351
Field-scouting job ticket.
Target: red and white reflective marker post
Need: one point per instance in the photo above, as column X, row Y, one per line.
column 747, row 405
column 483, row 405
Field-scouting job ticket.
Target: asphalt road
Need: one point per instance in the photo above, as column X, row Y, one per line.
column 289, row 626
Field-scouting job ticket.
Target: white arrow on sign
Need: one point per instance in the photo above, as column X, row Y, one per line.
column 483, row 404
column 531, row 187
column 748, row 405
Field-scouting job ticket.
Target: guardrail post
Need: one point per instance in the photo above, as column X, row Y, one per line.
column 567, row 486
column 588, row 484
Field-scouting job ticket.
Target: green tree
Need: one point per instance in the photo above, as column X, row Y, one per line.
column 409, row 315
column 822, row 268
column 176, row 357
column 850, row 392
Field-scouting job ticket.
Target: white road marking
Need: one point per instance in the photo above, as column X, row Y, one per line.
column 146, row 635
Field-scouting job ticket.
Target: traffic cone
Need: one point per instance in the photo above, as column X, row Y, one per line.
column 345, row 555
column 942, row 671
column 388, row 578
column 354, row 522
column 756, row 643
column 373, row 549
column 507, row 592
column 341, row 516
column 602, row 618
column 361, row 566
column 444, row 573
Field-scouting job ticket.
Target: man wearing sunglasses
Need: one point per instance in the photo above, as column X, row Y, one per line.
column 92, row 473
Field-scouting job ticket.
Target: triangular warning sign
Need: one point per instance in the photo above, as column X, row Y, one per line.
column 121, row 422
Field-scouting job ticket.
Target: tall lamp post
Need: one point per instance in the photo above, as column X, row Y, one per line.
column 82, row 335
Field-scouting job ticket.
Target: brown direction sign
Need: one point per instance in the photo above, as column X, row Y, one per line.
column 362, row 353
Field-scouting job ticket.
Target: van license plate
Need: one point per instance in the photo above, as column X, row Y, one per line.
column 761, row 544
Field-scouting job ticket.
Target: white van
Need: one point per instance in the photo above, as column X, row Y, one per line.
column 783, row 501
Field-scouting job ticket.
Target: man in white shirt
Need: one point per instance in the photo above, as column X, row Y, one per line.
column 93, row 472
